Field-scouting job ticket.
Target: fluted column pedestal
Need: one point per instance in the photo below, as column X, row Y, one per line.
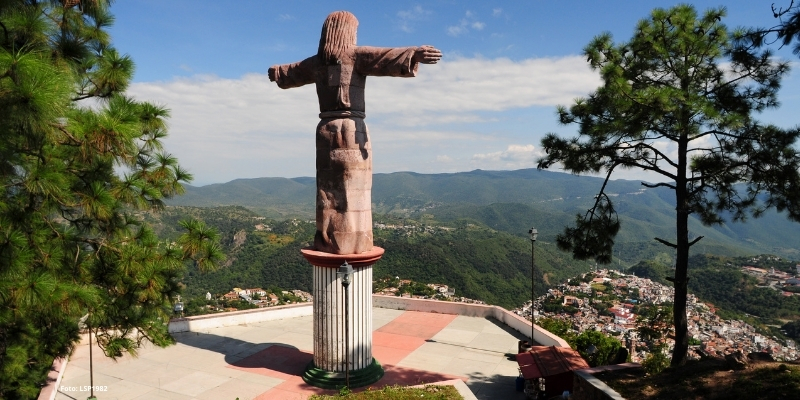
column 327, row 370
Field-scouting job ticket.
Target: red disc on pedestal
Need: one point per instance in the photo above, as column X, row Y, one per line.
column 321, row 259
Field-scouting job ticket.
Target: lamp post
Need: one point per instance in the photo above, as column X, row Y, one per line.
column 591, row 351
column 344, row 273
column 91, row 369
column 534, row 233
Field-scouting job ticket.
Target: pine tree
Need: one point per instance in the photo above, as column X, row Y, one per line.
column 79, row 161
column 784, row 33
column 678, row 100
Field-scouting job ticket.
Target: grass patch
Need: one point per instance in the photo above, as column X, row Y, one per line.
column 430, row 392
column 599, row 287
column 709, row 380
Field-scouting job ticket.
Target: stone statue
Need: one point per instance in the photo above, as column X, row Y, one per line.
column 344, row 153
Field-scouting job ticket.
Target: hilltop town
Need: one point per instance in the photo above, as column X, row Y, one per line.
column 634, row 310
column 619, row 305
column 241, row 299
column 607, row 301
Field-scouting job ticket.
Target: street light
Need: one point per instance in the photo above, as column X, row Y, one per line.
column 591, row 351
column 534, row 233
column 91, row 369
column 344, row 273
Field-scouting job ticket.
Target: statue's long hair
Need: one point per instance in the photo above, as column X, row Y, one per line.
column 338, row 36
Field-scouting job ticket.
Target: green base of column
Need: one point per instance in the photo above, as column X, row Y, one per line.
column 336, row 380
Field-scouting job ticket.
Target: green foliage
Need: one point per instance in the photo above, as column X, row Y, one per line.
column 555, row 306
column 71, row 247
column 727, row 287
column 792, row 329
column 679, row 81
column 417, row 289
column 655, row 362
column 653, row 322
column 559, row 327
column 606, row 347
column 477, row 261
column 384, row 283
column 592, row 237
column 652, row 270
column 396, row 392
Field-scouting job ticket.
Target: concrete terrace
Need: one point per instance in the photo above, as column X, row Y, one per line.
column 229, row 357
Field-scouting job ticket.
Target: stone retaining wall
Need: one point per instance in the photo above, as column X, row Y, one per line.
column 209, row 321
column 233, row 318
column 514, row 321
column 586, row 386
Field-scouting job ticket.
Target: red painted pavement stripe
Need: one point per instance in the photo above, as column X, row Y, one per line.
column 390, row 344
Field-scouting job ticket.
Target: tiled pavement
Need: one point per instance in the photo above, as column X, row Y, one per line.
column 264, row 360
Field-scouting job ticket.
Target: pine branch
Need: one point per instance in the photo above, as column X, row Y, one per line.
column 660, row 184
column 651, row 168
column 666, row 243
column 781, row 11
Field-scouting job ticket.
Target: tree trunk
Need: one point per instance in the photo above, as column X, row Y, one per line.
column 681, row 291
column 682, row 249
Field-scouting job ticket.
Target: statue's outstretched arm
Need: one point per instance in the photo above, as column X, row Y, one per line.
column 427, row 54
column 295, row 74
column 394, row 61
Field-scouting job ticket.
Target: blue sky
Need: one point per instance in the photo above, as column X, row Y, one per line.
column 506, row 66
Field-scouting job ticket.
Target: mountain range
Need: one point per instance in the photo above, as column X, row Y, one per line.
column 513, row 202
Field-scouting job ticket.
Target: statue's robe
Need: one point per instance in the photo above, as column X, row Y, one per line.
column 344, row 152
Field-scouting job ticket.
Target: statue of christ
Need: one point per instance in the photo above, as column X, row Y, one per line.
column 344, row 153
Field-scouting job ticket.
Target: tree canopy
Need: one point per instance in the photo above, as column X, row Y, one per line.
column 78, row 160
column 785, row 32
column 678, row 100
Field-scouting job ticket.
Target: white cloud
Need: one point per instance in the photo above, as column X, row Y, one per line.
column 516, row 156
column 278, row 46
column 470, row 21
column 408, row 17
column 467, row 85
column 444, row 158
column 286, row 17
column 457, row 30
column 415, row 13
column 497, row 12
column 223, row 129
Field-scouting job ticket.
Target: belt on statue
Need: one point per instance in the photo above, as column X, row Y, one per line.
column 342, row 114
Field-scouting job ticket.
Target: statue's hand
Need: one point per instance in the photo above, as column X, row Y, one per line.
column 427, row 54
column 271, row 73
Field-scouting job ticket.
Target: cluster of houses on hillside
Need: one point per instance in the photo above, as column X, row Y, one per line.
column 786, row 283
column 714, row 335
column 439, row 292
column 408, row 230
column 262, row 298
column 710, row 334
column 438, row 289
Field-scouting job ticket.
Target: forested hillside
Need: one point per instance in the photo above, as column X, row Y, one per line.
column 475, row 255
column 736, row 295
column 478, row 261
column 513, row 201
column 469, row 230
